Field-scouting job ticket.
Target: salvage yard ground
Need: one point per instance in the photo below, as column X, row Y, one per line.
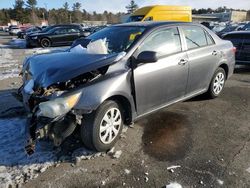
column 197, row 143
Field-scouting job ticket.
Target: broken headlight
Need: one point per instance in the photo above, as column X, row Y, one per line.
column 58, row 106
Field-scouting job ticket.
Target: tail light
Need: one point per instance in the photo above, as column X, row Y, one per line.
column 234, row 49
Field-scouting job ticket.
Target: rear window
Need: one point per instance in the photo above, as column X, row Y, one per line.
column 196, row 37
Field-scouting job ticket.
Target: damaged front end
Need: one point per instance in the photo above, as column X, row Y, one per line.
column 52, row 85
column 53, row 119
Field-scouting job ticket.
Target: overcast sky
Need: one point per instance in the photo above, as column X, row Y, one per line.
column 119, row 5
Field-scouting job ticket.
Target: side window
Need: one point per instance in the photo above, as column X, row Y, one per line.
column 210, row 40
column 195, row 37
column 164, row 42
column 73, row 30
column 60, row 31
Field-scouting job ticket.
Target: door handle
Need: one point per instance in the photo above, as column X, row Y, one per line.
column 214, row 53
column 183, row 62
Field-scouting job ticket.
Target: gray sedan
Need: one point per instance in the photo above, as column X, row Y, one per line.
column 146, row 66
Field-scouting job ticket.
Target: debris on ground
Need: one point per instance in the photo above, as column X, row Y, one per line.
column 127, row 171
column 173, row 185
column 220, row 182
column 117, row 154
column 111, row 151
column 248, row 170
column 171, row 168
column 201, row 182
column 131, row 125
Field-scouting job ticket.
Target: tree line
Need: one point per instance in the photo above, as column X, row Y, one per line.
column 26, row 11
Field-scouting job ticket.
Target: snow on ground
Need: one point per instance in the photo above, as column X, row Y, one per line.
column 8, row 65
column 16, row 166
column 18, row 43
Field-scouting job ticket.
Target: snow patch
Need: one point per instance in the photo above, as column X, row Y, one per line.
column 9, row 66
column 220, row 182
column 248, row 170
column 16, row 166
column 173, row 185
column 18, row 43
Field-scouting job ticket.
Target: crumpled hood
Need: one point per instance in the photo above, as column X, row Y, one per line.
column 48, row 69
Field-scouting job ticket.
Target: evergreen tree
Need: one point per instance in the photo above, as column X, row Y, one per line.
column 132, row 7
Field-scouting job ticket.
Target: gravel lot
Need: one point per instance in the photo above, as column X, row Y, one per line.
column 197, row 143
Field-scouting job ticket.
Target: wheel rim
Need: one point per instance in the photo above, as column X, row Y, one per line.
column 110, row 125
column 45, row 43
column 218, row 83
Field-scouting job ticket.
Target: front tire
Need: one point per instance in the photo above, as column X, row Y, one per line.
column 217, row 84
column 102, row 128
column 45, row 43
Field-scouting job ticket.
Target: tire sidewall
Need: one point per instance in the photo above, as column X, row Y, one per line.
column 211, row 90
column 96, row 129
column 45, row 39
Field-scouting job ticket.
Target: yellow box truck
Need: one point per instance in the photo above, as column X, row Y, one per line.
column 162, row 13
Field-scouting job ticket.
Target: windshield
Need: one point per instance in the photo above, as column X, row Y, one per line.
column 118, row 39
column 135, row 18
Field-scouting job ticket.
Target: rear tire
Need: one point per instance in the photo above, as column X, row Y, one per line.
column 217, row 84
column 102, row 128
column 45, row 43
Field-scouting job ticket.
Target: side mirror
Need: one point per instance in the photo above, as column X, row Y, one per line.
column 147, row 57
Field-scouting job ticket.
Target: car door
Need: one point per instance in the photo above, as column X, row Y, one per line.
column 245, row 50
column 73, row 34
column 203, row 56
column 60, row 36
column 159, row 83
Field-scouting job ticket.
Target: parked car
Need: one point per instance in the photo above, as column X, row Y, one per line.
column 148, row 66
column 227, row 29
column 94, row 29
column 13, row 30
column 55, row 36
column 241, row 40
column 31, row 30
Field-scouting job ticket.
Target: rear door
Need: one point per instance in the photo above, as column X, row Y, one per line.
column 203, row 56
column 159, row 83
